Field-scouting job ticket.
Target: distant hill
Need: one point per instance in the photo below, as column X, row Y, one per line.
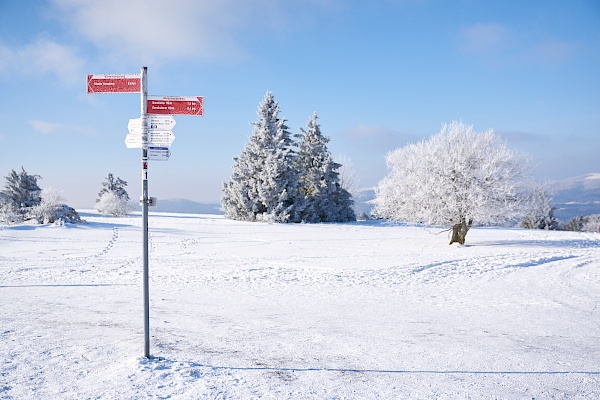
column 186, row 206
column 578, row 196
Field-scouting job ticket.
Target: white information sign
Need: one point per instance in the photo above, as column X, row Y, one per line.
column 153, row 123
column 158, row 153
column 161, row 138
column 133, row 141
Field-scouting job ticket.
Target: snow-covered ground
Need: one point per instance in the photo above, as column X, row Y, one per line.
column 275, row 311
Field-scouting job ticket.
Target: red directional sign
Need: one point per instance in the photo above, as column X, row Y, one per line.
column 102, row 83
column 187, row 105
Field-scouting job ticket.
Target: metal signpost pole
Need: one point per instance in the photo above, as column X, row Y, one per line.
column 154, row 136
column 143, row 117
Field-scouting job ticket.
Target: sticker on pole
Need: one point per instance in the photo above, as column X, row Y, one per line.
column 104, row 83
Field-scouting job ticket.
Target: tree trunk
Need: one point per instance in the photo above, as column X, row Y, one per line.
column 459, row 232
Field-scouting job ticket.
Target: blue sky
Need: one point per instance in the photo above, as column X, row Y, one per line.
column 379, row 74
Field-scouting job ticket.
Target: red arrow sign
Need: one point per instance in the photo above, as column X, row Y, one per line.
column 187, row 105
column 114, row 83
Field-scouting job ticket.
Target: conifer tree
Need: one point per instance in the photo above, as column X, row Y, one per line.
column 113, row 198
column 263, row 185
column 116, row 186
column 22, row 190
column 325, row 198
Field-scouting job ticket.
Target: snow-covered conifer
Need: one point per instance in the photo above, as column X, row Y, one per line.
column 263, row 184
column 326, row 199
column 9, row 213
column 22, row 190
column 457, row 178
column 116, row 186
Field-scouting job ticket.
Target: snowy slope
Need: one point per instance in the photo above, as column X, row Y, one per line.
column 249, row 310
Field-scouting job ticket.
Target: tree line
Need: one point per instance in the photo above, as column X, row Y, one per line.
column 459, row 178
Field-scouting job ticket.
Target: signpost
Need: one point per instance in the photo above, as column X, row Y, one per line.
column 153, row 122
column 152, row 134
column 158, row 153
column 133, row 141
column 114, row 83
column 157, row 138
column 161, row 138
column 186, row 105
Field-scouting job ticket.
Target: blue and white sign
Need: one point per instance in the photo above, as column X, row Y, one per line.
column 158, row 153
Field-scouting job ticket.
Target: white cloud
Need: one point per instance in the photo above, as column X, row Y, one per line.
column 552, row 51
column 497, row 42
column 486, row 37
column 157, row 30
column 376, row 138
column 42, row 57
column 51, row 128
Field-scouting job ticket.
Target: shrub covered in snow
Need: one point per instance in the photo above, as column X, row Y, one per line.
column 112, row 204
column 53, row 210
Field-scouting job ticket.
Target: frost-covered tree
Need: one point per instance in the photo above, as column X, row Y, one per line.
column 22, row 190
column 325, row 198
column 116, row 186
column 264, row 184
column 113, row 198
column 541, row 215
column 52, row 209
column 591, row 223
column 112, row 204
column 457, row 178
column 9, row 213
column 348, row 177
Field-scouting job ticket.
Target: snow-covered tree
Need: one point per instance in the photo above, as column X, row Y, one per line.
column 116, row 186
column 541, row 215
column 22, row 190
column 591, row 223
column 113, row 204
column 263, row 185
column 348, row 177
column 113, row 198
column 52, row 209
column 326, row 199
column 456, row 178
column 9, row 213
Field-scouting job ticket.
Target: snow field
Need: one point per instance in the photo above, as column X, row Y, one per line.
column 252, row 310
